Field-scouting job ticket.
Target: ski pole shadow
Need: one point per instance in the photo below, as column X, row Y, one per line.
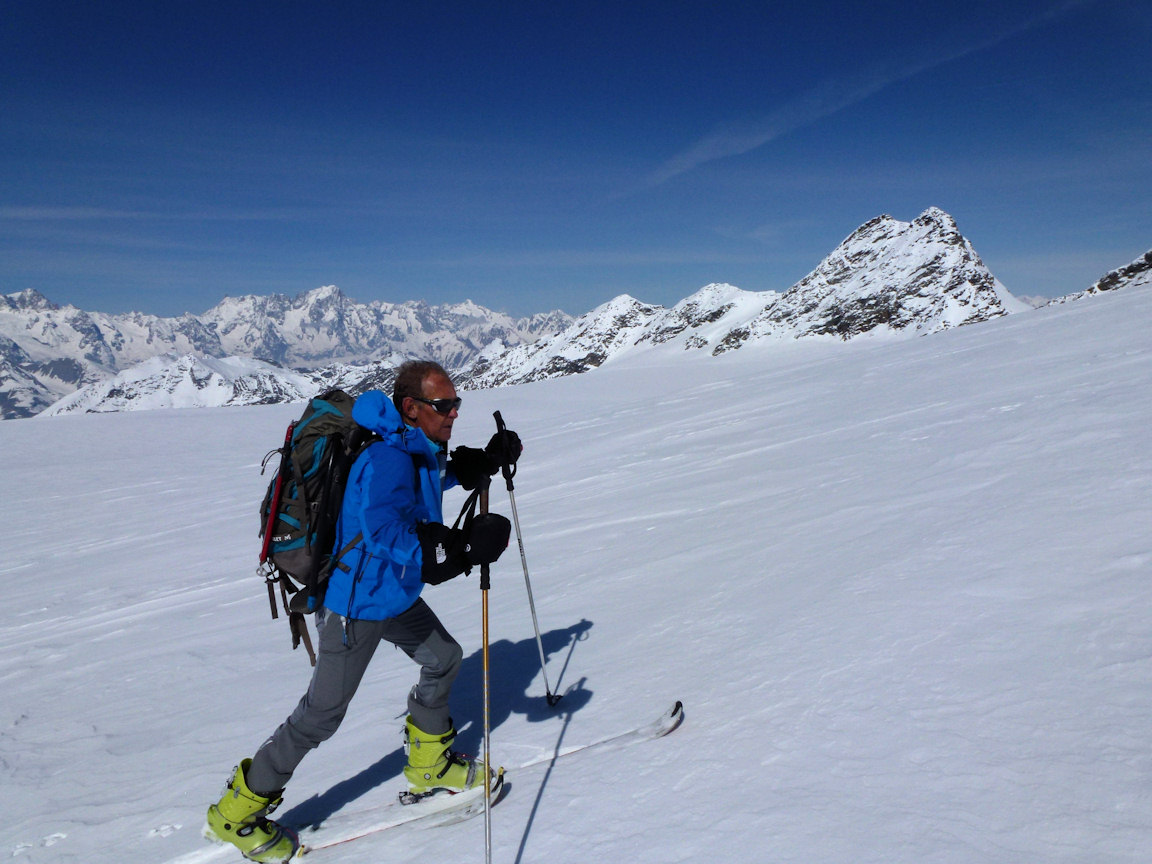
column 576, row 688
column 311, row 812
column 514, row 668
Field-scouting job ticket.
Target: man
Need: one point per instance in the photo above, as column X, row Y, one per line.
column 391, row 541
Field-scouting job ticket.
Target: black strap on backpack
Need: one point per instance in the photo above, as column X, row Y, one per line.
column 297, row 624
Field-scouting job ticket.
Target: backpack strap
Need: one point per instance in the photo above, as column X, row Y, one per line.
column 300, row 634
column 336, row 562
column 296, row 622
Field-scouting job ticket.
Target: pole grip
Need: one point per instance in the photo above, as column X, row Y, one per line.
column 506, row 467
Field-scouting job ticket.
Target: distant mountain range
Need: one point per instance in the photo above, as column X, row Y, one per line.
column 888, row 278
column 47, row 352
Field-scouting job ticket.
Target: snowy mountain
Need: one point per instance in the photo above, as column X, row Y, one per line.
column 620, row 327
column 890, row 277
column 901, row 586
column 897, row 277
column 323, row 326
column 48, row 351
column 189, row 381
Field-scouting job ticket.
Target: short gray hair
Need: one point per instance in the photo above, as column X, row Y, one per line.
column 410, row 378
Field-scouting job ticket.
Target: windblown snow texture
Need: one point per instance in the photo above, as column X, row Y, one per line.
column 902, row 587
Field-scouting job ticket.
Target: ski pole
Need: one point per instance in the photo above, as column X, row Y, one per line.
column 485, row 584
column 509, row 471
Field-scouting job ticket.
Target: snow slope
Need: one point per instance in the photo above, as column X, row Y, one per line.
column 902, row 588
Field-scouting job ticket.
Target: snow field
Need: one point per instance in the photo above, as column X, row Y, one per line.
column 901, row 587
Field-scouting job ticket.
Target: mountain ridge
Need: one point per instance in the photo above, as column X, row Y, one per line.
column 47, row 351
column 887, row 279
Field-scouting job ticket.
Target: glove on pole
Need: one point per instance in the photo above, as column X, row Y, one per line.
column 508, row 469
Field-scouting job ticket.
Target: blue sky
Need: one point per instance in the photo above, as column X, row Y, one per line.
column 158, row 156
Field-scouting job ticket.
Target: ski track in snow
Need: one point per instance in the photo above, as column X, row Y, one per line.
column 902, row 588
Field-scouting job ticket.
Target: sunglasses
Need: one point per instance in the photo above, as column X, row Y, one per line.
column 441, row 406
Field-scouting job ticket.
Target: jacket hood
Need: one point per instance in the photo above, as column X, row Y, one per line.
column 374, row 410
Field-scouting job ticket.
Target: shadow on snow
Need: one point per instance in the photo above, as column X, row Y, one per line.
column 514, row 668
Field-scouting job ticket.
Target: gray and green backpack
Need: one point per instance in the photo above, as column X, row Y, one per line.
column 302, row 506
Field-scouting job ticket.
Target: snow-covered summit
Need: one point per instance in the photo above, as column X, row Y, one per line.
column 27, row 299
column 889, row 276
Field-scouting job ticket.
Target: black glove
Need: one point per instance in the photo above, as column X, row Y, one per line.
column 487, row 538
column 444, row 552
column 504, row 448
column 472, row 466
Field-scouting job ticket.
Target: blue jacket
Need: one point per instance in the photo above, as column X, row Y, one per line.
column 395, row 485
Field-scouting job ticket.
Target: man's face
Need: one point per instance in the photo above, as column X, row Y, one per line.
column 423, row 416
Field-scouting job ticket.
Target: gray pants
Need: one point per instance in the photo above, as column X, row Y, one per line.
column 346, row 647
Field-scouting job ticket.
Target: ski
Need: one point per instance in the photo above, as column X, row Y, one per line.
column 429, row 812
column 438, row 810
column 667, row 722
column 448, row 809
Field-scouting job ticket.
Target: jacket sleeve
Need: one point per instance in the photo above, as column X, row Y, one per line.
column 388, row 510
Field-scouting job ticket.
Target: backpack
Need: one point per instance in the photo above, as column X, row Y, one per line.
column 301, row 507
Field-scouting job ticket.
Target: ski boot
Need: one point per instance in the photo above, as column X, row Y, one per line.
column 239, row 818
column 432, row 766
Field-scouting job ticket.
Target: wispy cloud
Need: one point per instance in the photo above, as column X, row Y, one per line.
column 737, row 139
column 64, row 214
column 89, row 214
column 828, row 98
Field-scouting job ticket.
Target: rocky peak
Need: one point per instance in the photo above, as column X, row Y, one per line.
column 920, row 276
column 29, row 300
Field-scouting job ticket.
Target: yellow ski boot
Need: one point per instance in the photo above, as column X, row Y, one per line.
column 432, row 766
column 239, row 818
